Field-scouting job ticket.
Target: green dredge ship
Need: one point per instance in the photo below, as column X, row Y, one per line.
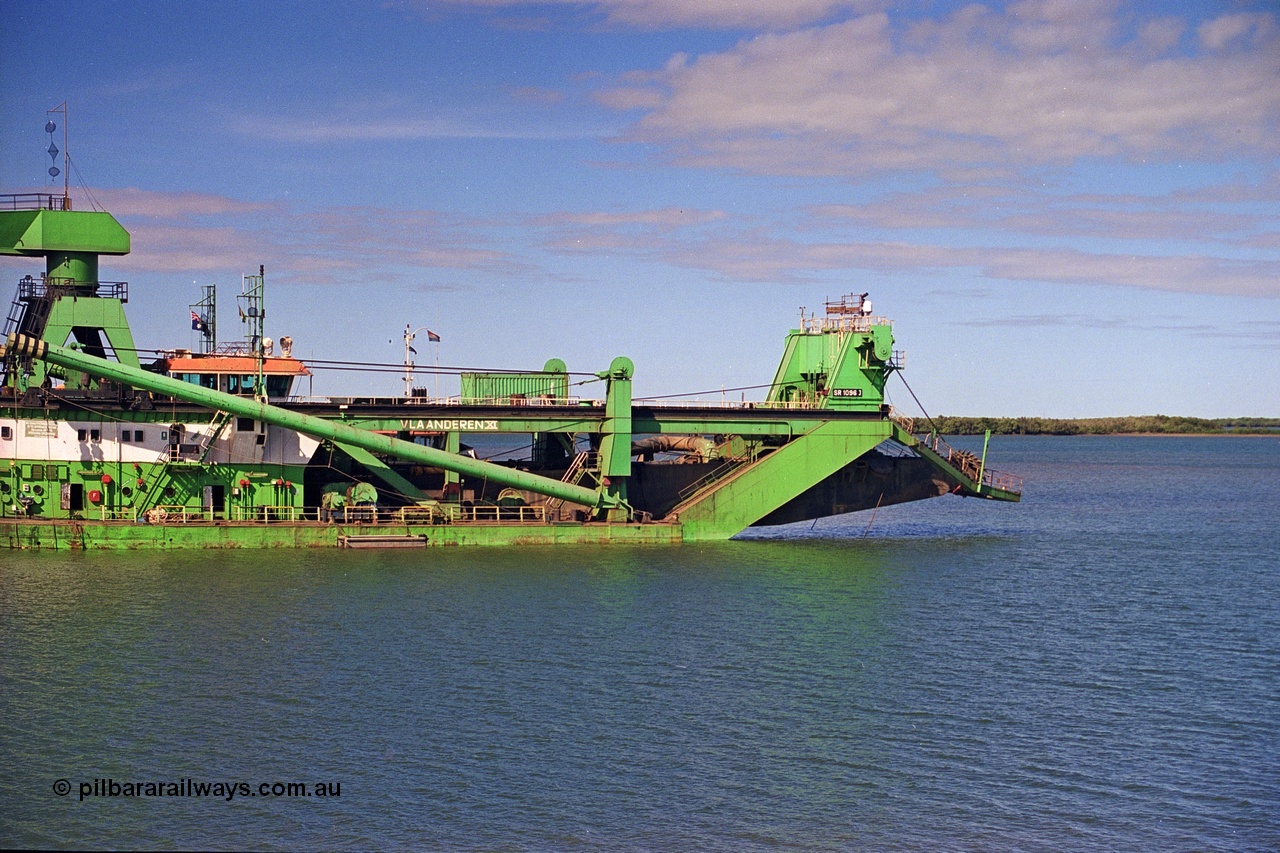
column 100, row 448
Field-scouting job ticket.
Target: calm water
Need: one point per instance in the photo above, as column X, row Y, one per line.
column 1098, row 667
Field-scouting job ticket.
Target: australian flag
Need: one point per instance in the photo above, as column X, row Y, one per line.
column 198, row 324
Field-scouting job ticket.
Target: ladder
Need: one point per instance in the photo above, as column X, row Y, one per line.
column 217, row 426
column 14, row 321
column 579, row 468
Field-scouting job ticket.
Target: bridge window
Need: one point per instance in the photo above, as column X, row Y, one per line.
column 243, row 384
column 278, row 386
column 204, row 380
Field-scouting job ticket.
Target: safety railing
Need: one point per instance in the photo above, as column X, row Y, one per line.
column 971, row 466
column 34, row 201
column 518, row 401
column 712, row 477
column 781, row 405
column 1004, row 481
column 442, row 513
column 536, row 514
column 279, row 512
column 424, row 514
column 176, row 514
column 417, row 402
column 814, row 325
column 30, row 288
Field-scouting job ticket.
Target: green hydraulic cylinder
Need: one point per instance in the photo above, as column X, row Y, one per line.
column 248, row 407
column 615, row 437
column 982, row 469
column 452, row 444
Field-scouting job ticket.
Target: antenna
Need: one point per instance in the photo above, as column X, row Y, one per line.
column 49, row 127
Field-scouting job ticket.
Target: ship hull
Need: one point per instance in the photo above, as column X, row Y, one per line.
column 72, row 535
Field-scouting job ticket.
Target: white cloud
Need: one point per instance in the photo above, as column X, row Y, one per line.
column 1233, row 30
column 715, row 14
column 1202, row 216
column 161, row 205
column 664, row 219
column 1043, row 83
column 756, row 253
column 182, row 233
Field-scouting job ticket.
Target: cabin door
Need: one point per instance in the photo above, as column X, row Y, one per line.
column 215, row 500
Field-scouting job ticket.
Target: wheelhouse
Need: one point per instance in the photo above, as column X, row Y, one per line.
column 238, row 374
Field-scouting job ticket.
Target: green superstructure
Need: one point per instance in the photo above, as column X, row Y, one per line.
column 99, row 449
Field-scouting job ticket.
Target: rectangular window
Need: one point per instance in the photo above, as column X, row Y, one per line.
column 6, row 433
column 124, row 436
column 244, row 424
column 278, row 386
column 81, row 435
column 137, row 436
column 95, row 435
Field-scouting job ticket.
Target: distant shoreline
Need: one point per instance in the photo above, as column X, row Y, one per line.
column 1140, row 425
column 1227, row 434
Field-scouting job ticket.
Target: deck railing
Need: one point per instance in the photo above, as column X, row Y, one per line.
column 34, row 201
column 30, row 288
column 814, row 325
column 971, row 466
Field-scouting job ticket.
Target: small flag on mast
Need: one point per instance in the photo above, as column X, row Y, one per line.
column 198, row 323
column 433, row 337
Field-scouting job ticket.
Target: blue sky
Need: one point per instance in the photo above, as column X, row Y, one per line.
column 1069, row 209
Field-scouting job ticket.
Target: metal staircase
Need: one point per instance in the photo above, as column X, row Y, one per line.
column 13, row 322
column 583, row 464
column 712, row 480
column 973, row 477
column 170, row 465
column 217, row 426
column 30, row 308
